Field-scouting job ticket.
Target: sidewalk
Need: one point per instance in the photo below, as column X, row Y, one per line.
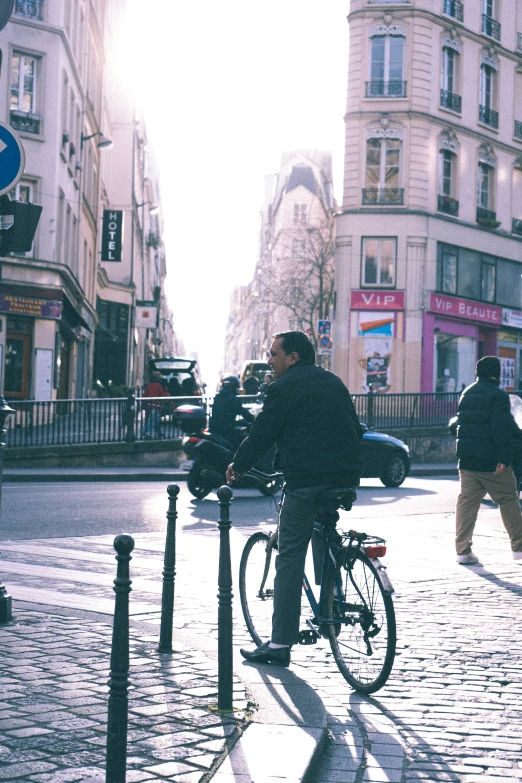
column 163, row 474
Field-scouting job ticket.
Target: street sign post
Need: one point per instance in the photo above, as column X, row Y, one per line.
column 12, row 158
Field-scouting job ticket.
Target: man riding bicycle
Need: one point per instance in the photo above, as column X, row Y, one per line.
column 309, row 415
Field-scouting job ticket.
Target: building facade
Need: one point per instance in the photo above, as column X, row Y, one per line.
column 56, row 92
column 429, row 238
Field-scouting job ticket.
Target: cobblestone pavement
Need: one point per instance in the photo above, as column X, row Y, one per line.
column 452, row 709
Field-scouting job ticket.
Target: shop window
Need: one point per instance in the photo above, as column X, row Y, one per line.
column 509, row 279
column 488, row 279
column 378, row 261
column 469, row 273
column 455, row 358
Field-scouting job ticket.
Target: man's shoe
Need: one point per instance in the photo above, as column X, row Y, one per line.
column 265, row 654
column 469, row 559
column 517, row 555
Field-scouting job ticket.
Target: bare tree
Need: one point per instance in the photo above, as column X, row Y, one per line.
column 303, row 283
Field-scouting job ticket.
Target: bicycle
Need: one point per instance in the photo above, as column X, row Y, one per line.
column 355, row 610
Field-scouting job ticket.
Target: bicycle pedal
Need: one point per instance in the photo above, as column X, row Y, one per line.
column 308, row 637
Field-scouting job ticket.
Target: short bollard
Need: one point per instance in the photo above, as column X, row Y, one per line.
column 225, row 495
column 169, row 574
column 116, row 763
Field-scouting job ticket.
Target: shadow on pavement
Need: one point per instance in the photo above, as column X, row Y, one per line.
column 495, row 580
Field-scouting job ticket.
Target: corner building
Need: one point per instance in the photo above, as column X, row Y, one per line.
column 429, row 237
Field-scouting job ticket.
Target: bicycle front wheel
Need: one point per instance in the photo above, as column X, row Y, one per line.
column 256, row 586
column 361, row 628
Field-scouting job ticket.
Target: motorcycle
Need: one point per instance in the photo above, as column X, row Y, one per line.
column 209, row 455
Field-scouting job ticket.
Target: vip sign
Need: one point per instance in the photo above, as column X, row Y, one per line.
column 112, row 235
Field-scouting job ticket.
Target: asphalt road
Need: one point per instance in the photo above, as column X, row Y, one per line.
column 57, row 510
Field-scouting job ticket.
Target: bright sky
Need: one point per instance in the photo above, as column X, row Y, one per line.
column 226, row 88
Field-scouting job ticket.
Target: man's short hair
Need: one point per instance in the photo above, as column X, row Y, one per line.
column 299, row 343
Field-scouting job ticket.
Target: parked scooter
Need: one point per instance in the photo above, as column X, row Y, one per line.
column 209, row 455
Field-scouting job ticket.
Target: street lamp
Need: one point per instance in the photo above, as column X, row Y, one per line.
column 5, row 598
column 103, row 142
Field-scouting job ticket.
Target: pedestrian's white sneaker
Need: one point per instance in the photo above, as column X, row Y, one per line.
column 471, row 559
column 517, row 555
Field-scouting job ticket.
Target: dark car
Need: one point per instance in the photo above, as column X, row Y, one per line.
column 180, row 374
column 384, row 457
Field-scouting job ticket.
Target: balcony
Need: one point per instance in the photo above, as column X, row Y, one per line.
column 25, row 121
column 488, row 116
column 491, row 27
column 519, row 42
column 448, row 205
column 31, row 8
column 516, row 226
column 517, row 133
column 392, row 89
column 383, row 196
column 487, row 218
column 448, row 100
column 455, row 9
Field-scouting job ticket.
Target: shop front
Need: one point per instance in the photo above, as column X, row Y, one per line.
column 510, row 349
column 377, row 318
column 456, row 332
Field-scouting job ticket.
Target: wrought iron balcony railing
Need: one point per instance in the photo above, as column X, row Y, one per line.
column 383, row 196
column 517, row 133
column 455, row 9
column 450, row 101
column 488, row 116
column 448, row 205
column 390, row 89
column 486, row 217
column 516, row 226
column 31, row 8
column 25, row 121
column 491, row 27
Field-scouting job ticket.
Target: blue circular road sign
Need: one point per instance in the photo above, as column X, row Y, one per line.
column 12, row 158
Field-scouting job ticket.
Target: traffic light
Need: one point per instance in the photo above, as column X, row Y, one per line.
column 18, row 224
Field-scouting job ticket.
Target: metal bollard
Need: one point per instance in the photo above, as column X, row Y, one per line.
column 116, row 762
column 225, row 495
column 6, row 612
column 129, row 417
column 169, row 574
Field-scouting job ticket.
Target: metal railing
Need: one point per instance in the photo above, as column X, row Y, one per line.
column 386, row 89
column 383, row 196
column 448, row 205
column 488, row 116
column 516, row 226
column 517, row 132
column 130, row 419
column 392, row 411
column 491, row 27
column 449, row 100
column 454, row 8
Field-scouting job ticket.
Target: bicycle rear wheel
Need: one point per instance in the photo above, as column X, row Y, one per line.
column 363, row 641
column 256, row 589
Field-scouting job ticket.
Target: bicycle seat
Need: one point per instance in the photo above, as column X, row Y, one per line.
column 337, row 497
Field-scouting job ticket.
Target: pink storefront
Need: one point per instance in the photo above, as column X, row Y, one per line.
column 456, row 332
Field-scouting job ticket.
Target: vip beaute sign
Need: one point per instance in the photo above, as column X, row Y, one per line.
column 465, row 308
column 112, row 235
column 377, row 300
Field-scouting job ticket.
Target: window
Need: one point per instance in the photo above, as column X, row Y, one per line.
column 24, row 191
column 475, row 275
column 386, row 67
column 487, row 113
column 29, row 8
column 378, row 262
column 298, row 248
column 455, row 9
column 490, row 26
column 487, row 279
column 23, row 93
column 300, row 213
column 485, row 192
column 448, row 88
column 383, row 159
column 455, row 357
column 447, row 173
column 448, row 269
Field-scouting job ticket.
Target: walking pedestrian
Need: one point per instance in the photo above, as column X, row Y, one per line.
column 487, row 441
column 308, row 413
column 154, row 407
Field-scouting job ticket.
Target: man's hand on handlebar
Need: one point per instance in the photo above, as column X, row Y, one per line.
column 231, row 474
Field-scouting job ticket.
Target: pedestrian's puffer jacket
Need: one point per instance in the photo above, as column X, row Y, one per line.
column 487, row 432
column 309, row 414
column 225, row 408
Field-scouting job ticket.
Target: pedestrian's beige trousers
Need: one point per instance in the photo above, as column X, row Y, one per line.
column 503, row 490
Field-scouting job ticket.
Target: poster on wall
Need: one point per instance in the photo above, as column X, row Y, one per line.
column 376, row 365
column 43, row 385
column 507, row 373
column 373, row 324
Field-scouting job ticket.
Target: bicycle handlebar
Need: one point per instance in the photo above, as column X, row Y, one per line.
column 265, row 476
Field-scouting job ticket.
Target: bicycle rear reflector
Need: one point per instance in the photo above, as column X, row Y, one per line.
column 375, row 551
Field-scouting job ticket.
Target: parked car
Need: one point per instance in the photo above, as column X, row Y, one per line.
column 181, row 375
column 256, row 368
column 384, row 457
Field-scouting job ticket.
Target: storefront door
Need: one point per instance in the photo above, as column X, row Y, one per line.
column 17, row 365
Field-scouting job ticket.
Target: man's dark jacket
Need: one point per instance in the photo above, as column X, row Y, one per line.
column 225, row 408
column 308, row 413
column 487, row 433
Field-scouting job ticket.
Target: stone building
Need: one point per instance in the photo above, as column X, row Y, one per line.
column 55, row 300
column 429, row 237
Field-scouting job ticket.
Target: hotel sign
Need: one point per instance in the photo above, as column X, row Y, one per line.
column 466, row 309
column 377, row 300
column 112, row 235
